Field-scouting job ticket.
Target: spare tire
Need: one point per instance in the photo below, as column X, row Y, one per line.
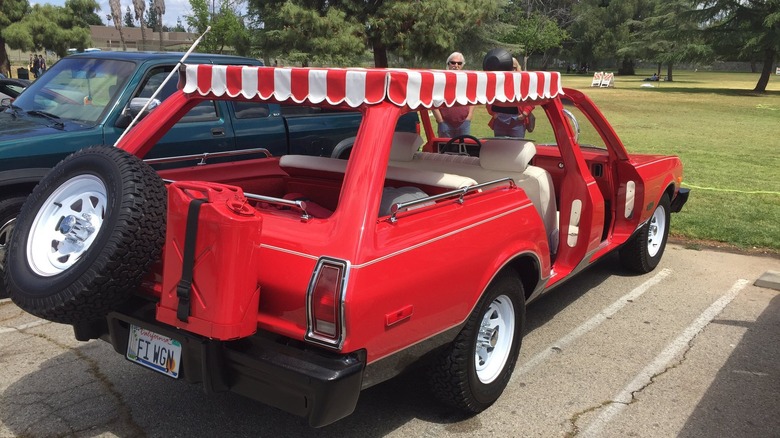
column 86, row 236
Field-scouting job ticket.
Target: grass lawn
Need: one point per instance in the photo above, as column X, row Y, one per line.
column 727, row 137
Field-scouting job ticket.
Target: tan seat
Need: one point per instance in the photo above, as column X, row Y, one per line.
column 410, row 175
column 498, row 158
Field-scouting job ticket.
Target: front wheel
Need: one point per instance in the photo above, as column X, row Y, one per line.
column 643, row 251
column 9, row 209
column 475, row 369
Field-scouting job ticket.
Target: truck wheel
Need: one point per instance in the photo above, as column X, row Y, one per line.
column 9, row 210
column 643, row 251
column 86, row 236
column 474, row 370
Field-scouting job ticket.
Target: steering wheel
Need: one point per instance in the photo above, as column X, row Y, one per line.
column 461, row 149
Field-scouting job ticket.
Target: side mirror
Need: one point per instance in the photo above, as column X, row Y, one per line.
column 135, row 107
column 5, row 102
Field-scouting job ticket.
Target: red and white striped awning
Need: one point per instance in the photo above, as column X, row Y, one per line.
column 356, row 87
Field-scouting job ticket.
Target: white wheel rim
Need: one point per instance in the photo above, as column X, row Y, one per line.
column 5, row 237
column 655, row 235
column 494, row 340
column 66, row 225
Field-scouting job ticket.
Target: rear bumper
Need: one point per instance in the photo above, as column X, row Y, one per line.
column 321, row 386
column 679, row 201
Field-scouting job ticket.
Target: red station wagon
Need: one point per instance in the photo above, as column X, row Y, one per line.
column 298, row 280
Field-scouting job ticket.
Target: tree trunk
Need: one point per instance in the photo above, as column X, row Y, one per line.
column 627, row 67
column 658, row 71
column 122, row 38
column 161, row 32
column 669, row 72
column 143, row 37
column 5, row 63
column 380, row 53
column 766, row 72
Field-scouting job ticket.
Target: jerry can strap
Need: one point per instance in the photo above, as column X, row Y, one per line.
column 184, row 289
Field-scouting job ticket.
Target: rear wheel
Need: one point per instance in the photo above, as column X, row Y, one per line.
column 9, row 210
column 86, row 236
column 643, row 251
column 475, row 369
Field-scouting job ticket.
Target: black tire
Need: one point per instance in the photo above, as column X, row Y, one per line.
column 9, row 210
column 644, row 249
column 46, row 276
column 455, row 379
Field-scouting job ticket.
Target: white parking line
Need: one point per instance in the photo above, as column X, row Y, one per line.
column 592, row 323
column 23, row 326
column 621, row 400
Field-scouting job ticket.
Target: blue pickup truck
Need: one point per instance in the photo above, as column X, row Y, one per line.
column 90, row 98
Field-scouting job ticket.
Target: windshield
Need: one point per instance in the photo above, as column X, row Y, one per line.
column 78, row 89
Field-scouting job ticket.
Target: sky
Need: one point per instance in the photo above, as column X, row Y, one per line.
column 173, row 9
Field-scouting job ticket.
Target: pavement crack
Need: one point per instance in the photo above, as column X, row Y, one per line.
column 124, row 411
column 633, row 394
column 577, row 415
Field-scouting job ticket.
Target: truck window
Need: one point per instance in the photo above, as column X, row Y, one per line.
column 250, row 110
column 311, row 110
column 203, row 112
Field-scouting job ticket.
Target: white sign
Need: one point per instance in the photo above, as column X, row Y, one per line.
column 777, row 71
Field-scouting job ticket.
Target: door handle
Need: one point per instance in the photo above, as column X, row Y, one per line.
column 218, row 132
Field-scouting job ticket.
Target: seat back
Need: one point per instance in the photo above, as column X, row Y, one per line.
column 507, row 157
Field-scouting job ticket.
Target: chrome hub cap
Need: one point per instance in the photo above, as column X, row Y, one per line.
column 655, row 234
column 494, row 340
column 5, row 238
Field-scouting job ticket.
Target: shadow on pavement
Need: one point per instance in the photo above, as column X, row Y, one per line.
column 90, row 391
column 744, row 398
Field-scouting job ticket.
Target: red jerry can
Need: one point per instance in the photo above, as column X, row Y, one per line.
column 212, row 245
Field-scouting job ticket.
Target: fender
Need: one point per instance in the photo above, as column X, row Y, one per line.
column 22, row 176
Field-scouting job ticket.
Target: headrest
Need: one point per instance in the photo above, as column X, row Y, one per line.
column 405, row 144
column 506, row 154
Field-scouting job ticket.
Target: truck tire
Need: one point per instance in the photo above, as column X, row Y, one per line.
column 9, row 210
column 86, row 236
column 474, row 370
column 643, row 251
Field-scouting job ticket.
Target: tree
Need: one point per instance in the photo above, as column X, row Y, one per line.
column 151, row 16
column 179, row 26
column 536, row 34
column 159, row 11
column 750, row 28
column 128, row 18
column 339, row 32
column 116, row 16
column 11, row 11
column 602, row 27
column 227, row 27
column 84, row 12
column 140, row 6
column 668, row 36
column 46, row 26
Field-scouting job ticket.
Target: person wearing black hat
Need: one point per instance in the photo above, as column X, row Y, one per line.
column 454, row 121
column 507, row 121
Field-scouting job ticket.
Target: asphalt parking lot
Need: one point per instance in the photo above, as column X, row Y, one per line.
column 691, row 350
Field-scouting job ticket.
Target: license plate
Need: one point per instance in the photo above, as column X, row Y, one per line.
column 154, row 351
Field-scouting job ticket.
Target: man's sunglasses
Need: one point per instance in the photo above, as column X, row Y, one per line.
column 456, row 63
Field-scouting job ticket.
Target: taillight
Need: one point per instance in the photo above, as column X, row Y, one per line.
column 325, row 302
